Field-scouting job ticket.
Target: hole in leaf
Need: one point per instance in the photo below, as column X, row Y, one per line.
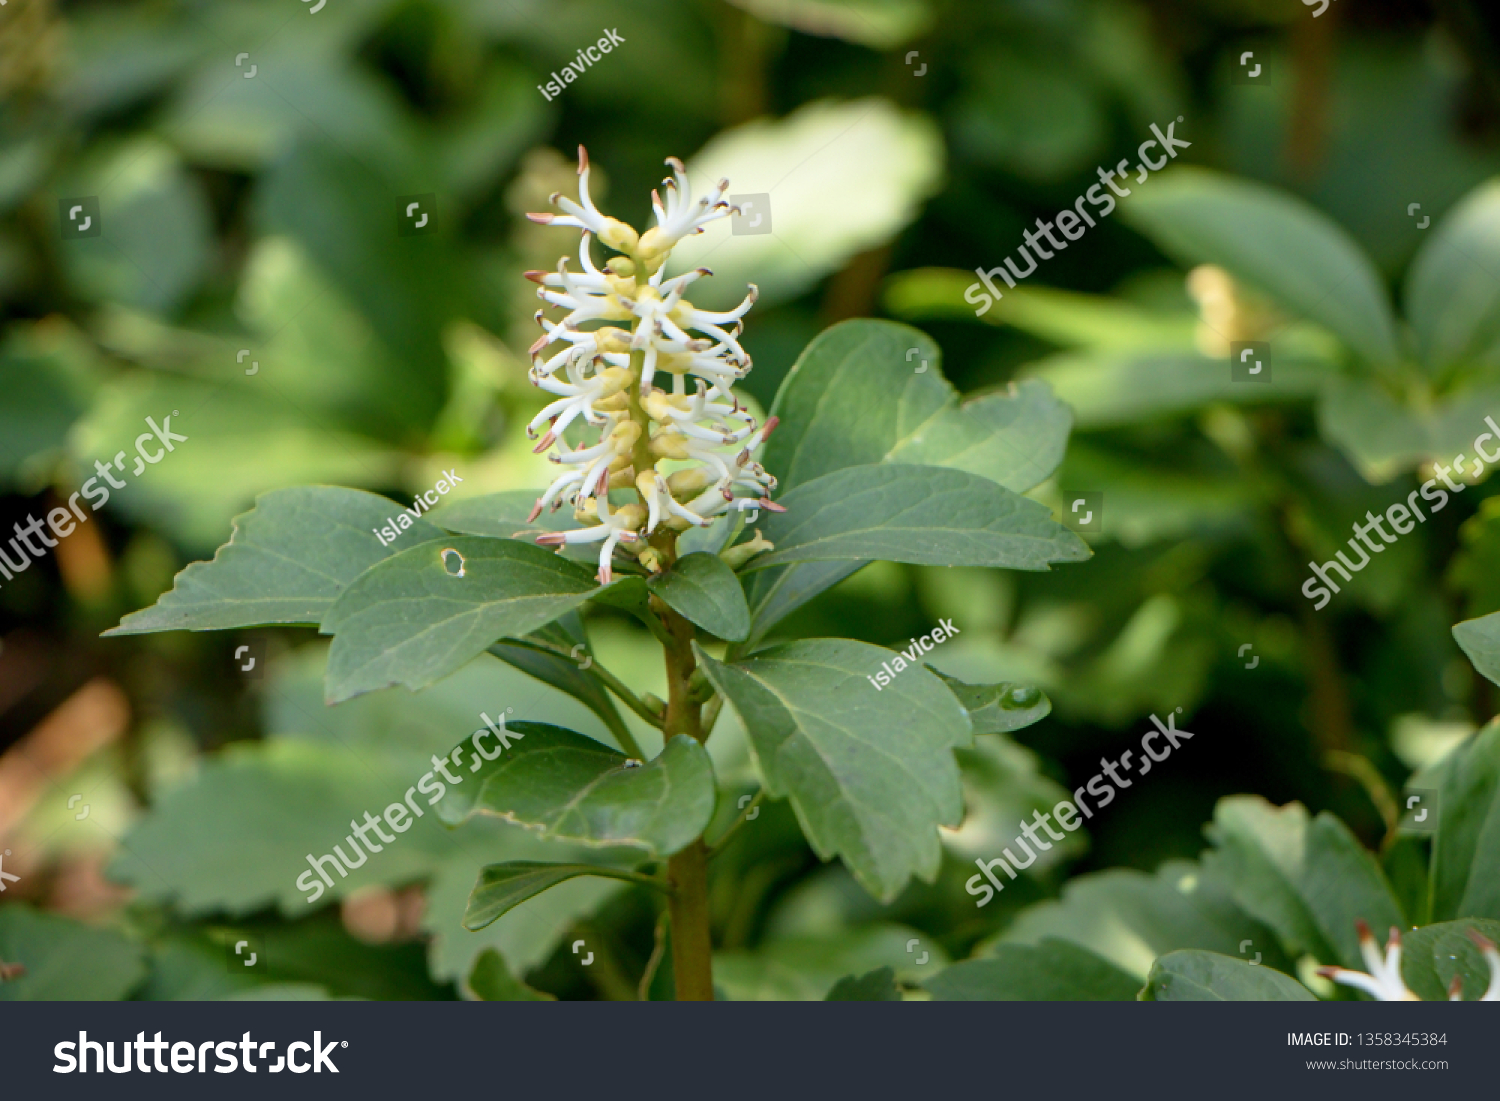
column 453, row 562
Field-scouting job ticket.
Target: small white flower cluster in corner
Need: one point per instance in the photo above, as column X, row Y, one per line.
column 1384, row 982
column 688, row 453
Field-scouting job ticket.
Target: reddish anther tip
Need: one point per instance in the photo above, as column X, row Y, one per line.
column 1456, row 988
column 551, row 539
column 583, row 159
column 534, row 276
column 535, row 511
column 771, row 424
column 541, row 219
column 1481, row 941
column 767, row 503
column 545, row 443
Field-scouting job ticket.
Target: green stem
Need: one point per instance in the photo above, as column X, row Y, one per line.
column 711, row 714
column 610, row 681
column 658, row 950
column 718, row 846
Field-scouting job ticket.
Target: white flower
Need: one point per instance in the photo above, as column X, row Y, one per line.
column 605, row 376
column 1384, row 982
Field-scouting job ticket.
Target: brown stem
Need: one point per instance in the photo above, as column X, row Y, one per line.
column 692, row 941
column 684, row 715
column 1312, row 65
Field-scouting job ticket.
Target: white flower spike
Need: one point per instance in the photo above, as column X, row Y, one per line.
column 1384, row 982
column 686, row 456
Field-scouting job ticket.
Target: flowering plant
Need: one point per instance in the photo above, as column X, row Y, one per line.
column 872, row 460
column 607, row 376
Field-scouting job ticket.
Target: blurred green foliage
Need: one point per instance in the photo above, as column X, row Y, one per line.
column 261, row 214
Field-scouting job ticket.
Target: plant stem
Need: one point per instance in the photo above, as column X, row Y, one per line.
column 610, row 681
column 692, row 940
column 684, row 716
column 658, row 950
column 692, row 943
column 744, row 817
column 710, row 714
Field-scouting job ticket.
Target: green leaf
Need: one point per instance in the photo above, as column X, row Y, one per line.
column 45, row 374
column 1068, row 319
column 705, row 590
column 1130, row 918
column 503, row 887
column 1466, row 851
column 776, row 593
column 287, row 561
column 1309, row 879
column 920, row 514
column 272, row 802
column 1480, row 640
column 858, row 395
column 502, row 516
column 998, row 708
column 341, row 210
column 65, row 961
column 569, row 787
column 847, row 176
column 410, row 621
column 536, row 657
column 893, row 406
column 1452, row 291
column 1433, row 955
column 807, row 968
column 1274, row 242
column 1196, row 976
column 1109, row 388
column 491, row 981
column 869, row 772
column 197, row 490
column 878, row 24
column 526, row 936
column 875, row 986
column 1383, row 436
column 157, row 225
column 1052, row 971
